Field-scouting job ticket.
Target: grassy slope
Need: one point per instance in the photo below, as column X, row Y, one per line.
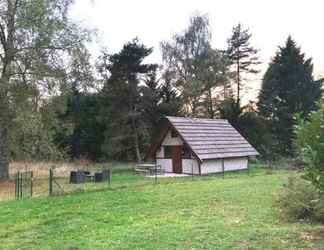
column 207, row 213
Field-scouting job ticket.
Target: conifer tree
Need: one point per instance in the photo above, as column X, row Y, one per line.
column 288, row 88
column 242, row 56
column 120, row 100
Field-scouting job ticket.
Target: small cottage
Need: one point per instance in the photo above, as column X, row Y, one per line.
column 200, row 146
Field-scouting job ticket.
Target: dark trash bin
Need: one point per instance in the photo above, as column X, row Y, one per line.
column 76, row 177
column 98, row 177
column 102, row 176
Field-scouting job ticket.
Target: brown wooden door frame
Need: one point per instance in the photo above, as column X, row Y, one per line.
column 176, row 159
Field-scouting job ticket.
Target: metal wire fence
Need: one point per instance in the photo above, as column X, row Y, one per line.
column 27, row 184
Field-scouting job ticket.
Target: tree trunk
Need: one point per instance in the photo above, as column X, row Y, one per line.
column 4, row 153
column 136, row 141
column 210, row 104
column 238, row 81
column 8, row 57
column 4, row 140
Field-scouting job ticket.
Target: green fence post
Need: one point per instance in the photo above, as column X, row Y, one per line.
column 22, row 185
column 19, row 185
column 223, row 168
column 192, row 172
column 109, row 177
column 50, row 188
column 16, row 188
column 31, row 183
column 155, row 170
column 248, row 167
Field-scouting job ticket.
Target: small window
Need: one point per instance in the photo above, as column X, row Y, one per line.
column 174, row 133
column 167, row 152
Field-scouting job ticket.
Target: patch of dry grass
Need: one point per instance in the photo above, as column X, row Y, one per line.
column 41, row 169
column 62, row 169
column 61, row 172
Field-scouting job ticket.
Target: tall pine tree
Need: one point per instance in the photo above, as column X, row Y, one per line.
column 158, row 99
column 288, row 87
column 243, row 57
column 121, row 100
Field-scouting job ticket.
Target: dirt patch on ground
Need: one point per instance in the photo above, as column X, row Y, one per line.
column 316, row 234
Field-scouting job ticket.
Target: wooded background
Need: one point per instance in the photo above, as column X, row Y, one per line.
column 56, row 104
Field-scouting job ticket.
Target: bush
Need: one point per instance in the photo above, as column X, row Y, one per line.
column 299, row 200
column 310, row 141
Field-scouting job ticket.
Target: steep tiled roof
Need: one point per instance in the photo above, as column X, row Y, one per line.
column 212, row 138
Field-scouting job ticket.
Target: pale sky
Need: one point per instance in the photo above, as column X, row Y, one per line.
column 270, row 22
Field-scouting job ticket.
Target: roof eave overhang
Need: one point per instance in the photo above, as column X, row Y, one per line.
column 185, row 142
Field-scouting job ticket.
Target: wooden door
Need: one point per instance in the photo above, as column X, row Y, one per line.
column 176, row 159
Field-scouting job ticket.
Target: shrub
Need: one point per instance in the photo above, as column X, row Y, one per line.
column 299, row 200
column 310, row 142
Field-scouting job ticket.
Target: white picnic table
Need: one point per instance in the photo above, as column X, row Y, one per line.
column 148, row 168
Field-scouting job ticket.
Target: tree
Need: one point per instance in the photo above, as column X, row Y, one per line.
column 247, row 121
column 171, row 102
column 31, row 136
column 81, row 108
column 230, row 110
column 242, row 56
column 120, row 99
column 158, row 99
column 310, row 142
column 34, row 38
column 197, row 67
column 288, row 87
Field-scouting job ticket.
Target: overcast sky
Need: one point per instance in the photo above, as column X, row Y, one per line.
column 153, row 21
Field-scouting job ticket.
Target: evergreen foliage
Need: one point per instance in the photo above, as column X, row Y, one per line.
column 242, row 56
column 79, row 133
column 121, row 99
column 288, row 87
column 53, row 103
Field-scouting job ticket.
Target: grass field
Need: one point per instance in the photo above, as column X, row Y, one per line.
column 205, row 213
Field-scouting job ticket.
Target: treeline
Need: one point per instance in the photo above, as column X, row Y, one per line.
column 57, row 105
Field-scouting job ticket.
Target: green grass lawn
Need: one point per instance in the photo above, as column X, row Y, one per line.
column 206, row 213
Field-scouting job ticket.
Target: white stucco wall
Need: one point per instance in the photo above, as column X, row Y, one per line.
column 166, row 164
column 160, row 152
column 171, row 141
column 211, row 166
column 189, row 165
column 236, row 163
column 168, row 141
column 230, row 164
